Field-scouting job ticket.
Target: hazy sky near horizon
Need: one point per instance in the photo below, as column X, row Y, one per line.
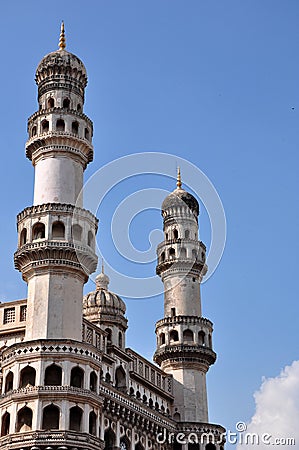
column 215, row 83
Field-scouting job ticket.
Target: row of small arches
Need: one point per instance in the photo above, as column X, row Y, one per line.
column 60, row 126
column 57, row 232
column 148, row 401
column 203, row 339
column 174, row 234
column 171, row 254
column 50, row 420
column 52, row 377
column 66, row 103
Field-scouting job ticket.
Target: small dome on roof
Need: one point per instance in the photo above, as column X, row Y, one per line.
column 179, row 195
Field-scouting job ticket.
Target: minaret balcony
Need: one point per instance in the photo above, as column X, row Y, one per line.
column 182, row 353
column 59, row 111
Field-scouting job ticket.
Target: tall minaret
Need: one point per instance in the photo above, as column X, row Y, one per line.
column 56, row 240
column 184, row 337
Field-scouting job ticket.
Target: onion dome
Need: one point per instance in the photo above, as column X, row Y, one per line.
column 61, row 67
column 179, row 195
column 101, row 304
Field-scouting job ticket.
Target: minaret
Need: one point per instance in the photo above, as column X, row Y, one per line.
column 56, row 239
column 184, row 337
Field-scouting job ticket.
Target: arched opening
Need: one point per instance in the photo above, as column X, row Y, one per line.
column 34, row 131
column 183, row 253
column 92, row 423
column 162, row 338
column 194, row 254
column 24, row 420
column 144, row 399
column 177, row 417
column 107, row 377
column 120, row 339
column 166, row 236
column 210, row 446
column 77, row 232
column 45, row 126
column 75, row 127
column 38, row 231
column 90, row 239
column 151, row 403
column 79, row 107
column 173, row 336
column 138, row 446
column 75, row 418
column 138, row 395
column 77, row 377
column 51, row 416
column 93, row 382
column 53, row 375
column 210, row 340
column 171, row 253
column 172, row 312
column 201, row 337
column 50, row 102
column 162, row 256
column 8, row 382
column 58, row 230
column 131, row 392
column 175, row 234
column 109, row 438
column 66, row 103
column 187, row 234
column 5, row 424
column 60, row 125
column 27, row 377
column 120, row 379
column 177, row 445
column 23, row 237
column 193, row 446
column 109, row 336
column 188, row 336
column 157, row 408
column 86, row 133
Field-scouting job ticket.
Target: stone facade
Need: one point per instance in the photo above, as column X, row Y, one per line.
column 68, row 381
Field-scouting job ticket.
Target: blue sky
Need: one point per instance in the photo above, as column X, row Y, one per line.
column 213, row 82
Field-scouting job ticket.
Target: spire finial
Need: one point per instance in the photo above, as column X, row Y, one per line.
column 179, row 180
column 62, row 43
column 102, row 265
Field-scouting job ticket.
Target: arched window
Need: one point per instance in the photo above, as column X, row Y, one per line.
column 24, row 420
column 188, row 336
column 92, row 423
column 131, row 392
column 90, row 239
column 53, row 375
column 183, row 253
column 162, row 338
column 60, row 125
column 162, row 256
column 194, row 254
column 5, row 424
column 172, row 253
column 210, row 446
column 79, row 107
column 93, row 381
column 210, row 341
column 27, row 377
column 175, row 234
column 187, row 234
column 107, row 377
column 51, row 416
column 173, row 336
column 120, row 339
column 66, row 103
column 77, row 377
column 9, row 382
column 151, row 403
column 166, row 236
column 109, row 438
column 120, row 379
column 109, row 336
column 77, row 232
column 86, row 133
column 23, row 237
column 144, row 398
column 58, row 230
column 177, row 417
column 45, row 126
column 75, row 418
column 50, row 102
column 33, row 131
column 157, row 408
column 75, row 127
column 38, row 231
column 138, row 395
column 201, row 337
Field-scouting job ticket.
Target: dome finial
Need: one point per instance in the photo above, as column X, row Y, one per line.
column 62, row 42
column 179, row 180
